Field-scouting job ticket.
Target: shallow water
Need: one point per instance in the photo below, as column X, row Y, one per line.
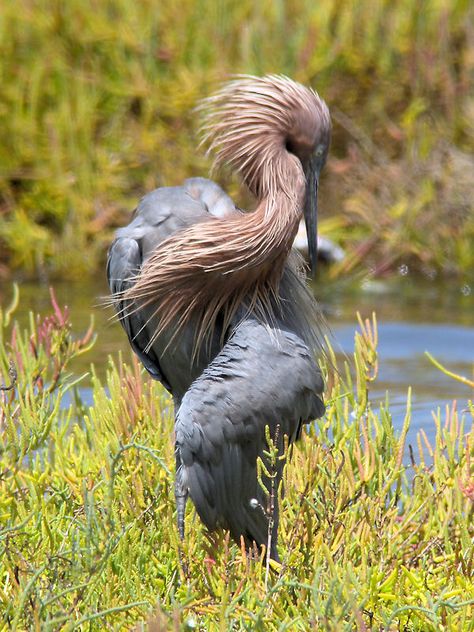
column 413, row 317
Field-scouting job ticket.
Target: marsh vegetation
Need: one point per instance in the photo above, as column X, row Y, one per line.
column 87, row 512
column 97, row 108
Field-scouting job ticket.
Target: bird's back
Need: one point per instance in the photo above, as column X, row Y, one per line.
column 159, row 215
column 171, row 357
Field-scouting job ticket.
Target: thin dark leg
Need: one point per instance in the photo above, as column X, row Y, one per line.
column 180, row 489
column 181, row 495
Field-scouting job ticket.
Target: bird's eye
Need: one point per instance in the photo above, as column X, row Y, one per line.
column 319, row 151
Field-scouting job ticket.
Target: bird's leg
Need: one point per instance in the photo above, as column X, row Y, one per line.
column 181, row 495
column 180, row 488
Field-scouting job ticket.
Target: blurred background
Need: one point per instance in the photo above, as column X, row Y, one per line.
column 97, row 106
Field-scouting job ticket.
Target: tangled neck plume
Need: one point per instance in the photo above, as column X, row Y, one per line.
column 211, row 267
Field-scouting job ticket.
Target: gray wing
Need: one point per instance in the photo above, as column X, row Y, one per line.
column 158, row 215
column 261, row 377
column 124, row 260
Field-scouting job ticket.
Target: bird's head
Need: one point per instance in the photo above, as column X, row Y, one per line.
column 259, row 125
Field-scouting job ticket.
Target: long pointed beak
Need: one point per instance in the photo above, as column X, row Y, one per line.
column 311, row 215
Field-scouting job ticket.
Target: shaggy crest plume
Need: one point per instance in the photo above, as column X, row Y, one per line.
column 264, row 128
column 250, row 122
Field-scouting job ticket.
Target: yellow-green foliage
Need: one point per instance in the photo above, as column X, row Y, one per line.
column 96, row 108
column 87, row 516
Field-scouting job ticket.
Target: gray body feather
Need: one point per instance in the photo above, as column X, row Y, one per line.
column 259, row 378
column 254, row 375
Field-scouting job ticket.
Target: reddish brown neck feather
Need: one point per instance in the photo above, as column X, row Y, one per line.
column 211, row 267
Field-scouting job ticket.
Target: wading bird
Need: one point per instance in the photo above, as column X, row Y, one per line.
column 216, row 307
